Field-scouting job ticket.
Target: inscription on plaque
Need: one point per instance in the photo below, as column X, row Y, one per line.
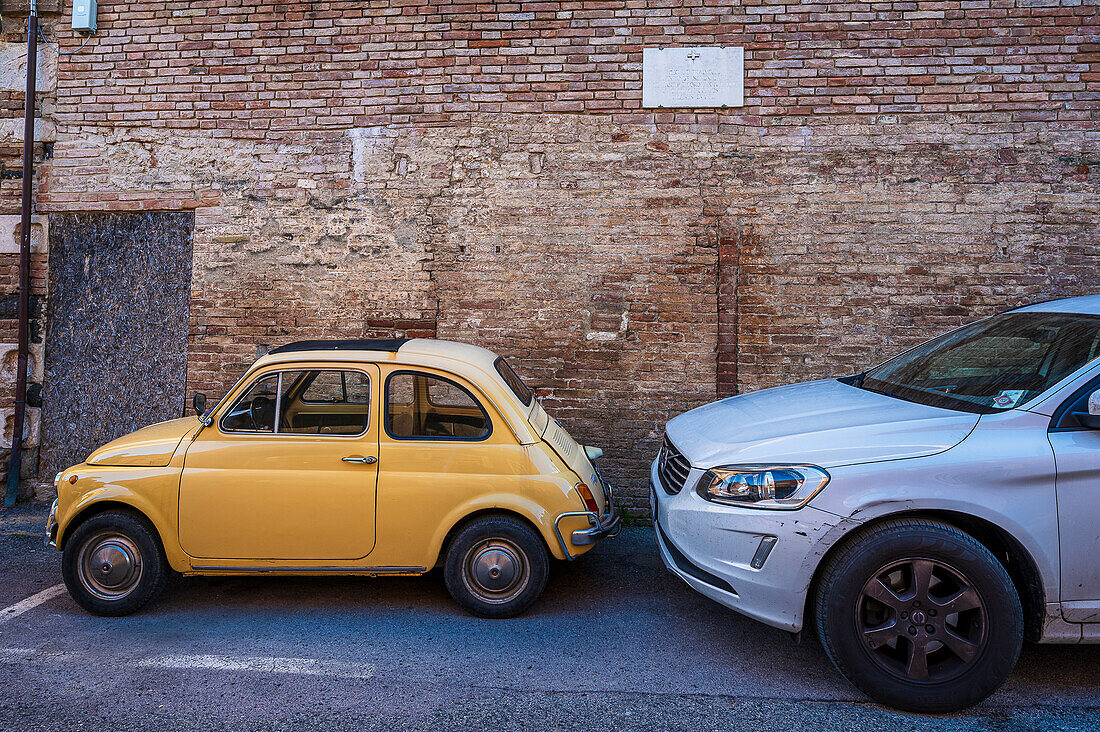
column 702, row 76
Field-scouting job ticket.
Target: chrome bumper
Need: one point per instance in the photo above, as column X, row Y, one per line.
column 51, row 526
column 607, row 525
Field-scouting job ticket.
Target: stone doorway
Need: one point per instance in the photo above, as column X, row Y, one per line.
column 116, row 329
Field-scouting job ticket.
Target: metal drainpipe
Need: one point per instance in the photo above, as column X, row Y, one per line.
column 15, row 464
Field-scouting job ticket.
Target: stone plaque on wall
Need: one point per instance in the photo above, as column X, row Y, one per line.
column 700, row 76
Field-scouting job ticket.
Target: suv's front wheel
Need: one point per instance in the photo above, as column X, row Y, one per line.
column 920, row 616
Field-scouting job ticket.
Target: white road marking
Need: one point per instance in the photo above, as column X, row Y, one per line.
column 262, row 664
column 248, row 664
column 30, row 603
column 15, row 654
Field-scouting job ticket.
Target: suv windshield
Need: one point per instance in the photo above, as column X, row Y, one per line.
column 991, row 365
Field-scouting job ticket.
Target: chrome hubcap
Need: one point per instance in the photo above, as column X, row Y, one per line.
column 496, row 570
column 110, row 566
column 921, row 620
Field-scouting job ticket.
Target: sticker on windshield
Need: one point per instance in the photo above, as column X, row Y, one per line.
column 1008, row 398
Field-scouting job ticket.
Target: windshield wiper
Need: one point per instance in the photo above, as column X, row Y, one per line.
column 885, row 392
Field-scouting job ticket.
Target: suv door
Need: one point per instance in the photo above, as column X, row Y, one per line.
column 1077, row 459
column 288, row 471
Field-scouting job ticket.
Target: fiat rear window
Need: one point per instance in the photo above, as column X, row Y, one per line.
column 513, row 381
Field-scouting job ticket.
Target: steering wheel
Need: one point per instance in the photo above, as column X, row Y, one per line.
column 434, row 427
column 262, row 412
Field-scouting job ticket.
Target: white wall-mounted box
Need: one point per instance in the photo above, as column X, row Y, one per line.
column 84, row 16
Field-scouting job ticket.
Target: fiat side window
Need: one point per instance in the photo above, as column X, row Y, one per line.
column 255, row 410
column 423, row 406
column 317, row 402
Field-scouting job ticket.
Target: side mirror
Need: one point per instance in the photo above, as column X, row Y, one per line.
column 1091, row 418
column 199, row 403
column 593, row 452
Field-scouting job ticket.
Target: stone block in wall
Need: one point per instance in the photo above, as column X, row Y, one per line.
column 9, row 234
column 42, row 491
column 11, row 131
column 13, row 68
column 32, row 420
column 9, row 355
column 372, row 149
column 23, row 7
column 31, row 487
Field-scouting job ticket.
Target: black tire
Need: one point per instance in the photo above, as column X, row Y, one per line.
column 113, row 564
column 886, row 643
column 496, row 567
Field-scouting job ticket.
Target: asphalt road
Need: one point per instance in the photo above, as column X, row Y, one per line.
column 616, row 642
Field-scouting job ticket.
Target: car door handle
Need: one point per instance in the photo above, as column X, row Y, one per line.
column 369, row 460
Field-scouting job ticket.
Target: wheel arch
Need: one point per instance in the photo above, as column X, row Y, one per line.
column 483, row 513
column 1008, row 550
column 97, row 507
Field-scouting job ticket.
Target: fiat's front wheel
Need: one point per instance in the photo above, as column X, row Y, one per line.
column 113, row 564
column 920, row 616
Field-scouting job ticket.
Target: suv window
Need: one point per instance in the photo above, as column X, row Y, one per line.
column 991, row 365
column 423, row 406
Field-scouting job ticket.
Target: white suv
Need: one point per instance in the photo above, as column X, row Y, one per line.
column 926, row 515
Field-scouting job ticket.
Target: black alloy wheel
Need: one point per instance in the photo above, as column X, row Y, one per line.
column 919, row 615
column 921, row 620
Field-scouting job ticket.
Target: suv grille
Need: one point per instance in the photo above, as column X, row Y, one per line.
column 672, row 468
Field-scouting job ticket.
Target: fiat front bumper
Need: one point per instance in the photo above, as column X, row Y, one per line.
column 51, row 526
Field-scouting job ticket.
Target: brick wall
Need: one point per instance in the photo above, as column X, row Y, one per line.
column 239, row 69
column 911, row 232
column 485, row 172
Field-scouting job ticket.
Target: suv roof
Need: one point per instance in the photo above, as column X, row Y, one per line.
column 1084, row 305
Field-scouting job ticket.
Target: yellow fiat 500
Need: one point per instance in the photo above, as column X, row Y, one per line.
column 373, row 457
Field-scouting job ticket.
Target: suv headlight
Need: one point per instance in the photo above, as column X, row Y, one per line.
column 762, row 486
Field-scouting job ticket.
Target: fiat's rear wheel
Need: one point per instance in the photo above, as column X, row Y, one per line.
column 496, row 567
column 113, row 564
column 920, row 616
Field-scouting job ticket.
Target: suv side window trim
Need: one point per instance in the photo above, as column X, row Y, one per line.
column 278, row 406
column 431, row 438
column 1062, row 413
